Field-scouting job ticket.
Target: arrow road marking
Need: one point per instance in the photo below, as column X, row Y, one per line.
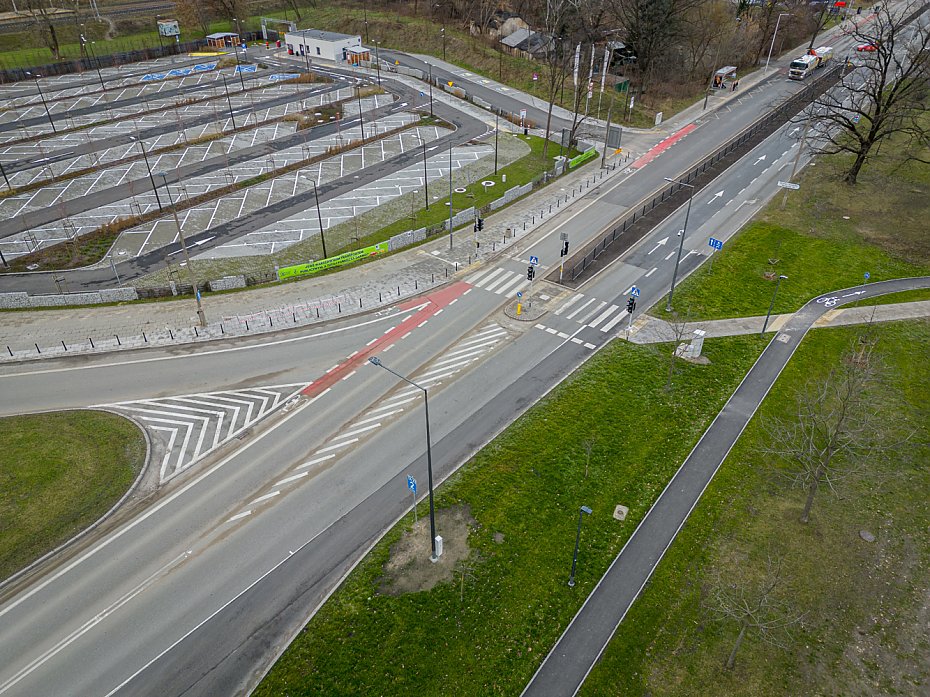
column 715, row 197
column 849, row 295
column 759, row 160
column 660, row 243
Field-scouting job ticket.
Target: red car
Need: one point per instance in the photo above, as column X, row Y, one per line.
column 867, row 47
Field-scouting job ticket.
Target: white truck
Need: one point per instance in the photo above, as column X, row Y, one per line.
column 801, row 67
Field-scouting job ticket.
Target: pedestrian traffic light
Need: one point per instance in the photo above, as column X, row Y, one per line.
column 481, row 223
column 630, row 305
column 564, row 248
column 530, row 272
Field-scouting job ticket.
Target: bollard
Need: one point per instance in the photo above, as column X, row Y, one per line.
column 359, row 302
column 270, row 321
column 493, row 246
column 398, row 291
column 118, row 342
column 379, row 297
column 432, row 278
column 145, row 338
column 534, row 219
column 247, row 325
column 11, row 350
column 339, row 305
column 294, row 315
column 415, row 286
column 222, row 331
column 171, row 333
column 63, row 345
column 37, row 349
column 195, row 333
column 550, row 209
column 524, row 226
column 447, row 272
column 318, row 313
column 456, row 266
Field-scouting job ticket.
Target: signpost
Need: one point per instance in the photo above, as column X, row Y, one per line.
column 412, row 485
column 534, row 261
column 789, row 185
column 715, row 245
column 519, row 304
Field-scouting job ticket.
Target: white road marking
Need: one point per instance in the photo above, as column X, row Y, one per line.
column 585, row 317
column 575, row 312
column 240, row 515
column 604, row 315
column 376, row 418
column 336, row 446
column 363, row 429
column 651, row 271
column 614, row 321
column 569, row 303
column 503, row 288
column 669, row 256
column 350, row 375
column 265, row 497
column 316, row 461
column 292, row 478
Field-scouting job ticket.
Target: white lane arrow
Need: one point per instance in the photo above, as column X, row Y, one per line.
column 200, row 242
column 849, row 295
column 660, row 243
column 759, row 160
column 715, row 197
column 798, row 128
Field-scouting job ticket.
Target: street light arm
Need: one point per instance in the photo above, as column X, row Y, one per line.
column 374, row 360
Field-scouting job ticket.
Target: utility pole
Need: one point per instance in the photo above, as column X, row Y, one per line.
column 190, row 270
column 497, row 117
column 450, row 194
column 797, row 159
column 425, row 174
column 319, row 217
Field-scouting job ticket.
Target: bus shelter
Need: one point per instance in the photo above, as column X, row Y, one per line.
column 724, row 75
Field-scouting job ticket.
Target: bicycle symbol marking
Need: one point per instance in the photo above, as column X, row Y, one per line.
column 829, row 301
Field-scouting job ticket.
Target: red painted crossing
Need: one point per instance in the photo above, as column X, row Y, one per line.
column 662, row 147
column 426, row 306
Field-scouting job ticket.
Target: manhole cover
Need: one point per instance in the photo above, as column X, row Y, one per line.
column 460, row 190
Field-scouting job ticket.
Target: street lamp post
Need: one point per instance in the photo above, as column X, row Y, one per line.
column 138, row 139
column 681, row 243
column 583, row 512
column 443, row 34
column 374, row 360
column 425, row 174
column 229, row 103
column 319, row 217
column 774, row 34
column 190, row 270
column 450, row 194
column 236, row 48
column 378, row 61
column 42, row 97
column 7, row 181
column 765, row 324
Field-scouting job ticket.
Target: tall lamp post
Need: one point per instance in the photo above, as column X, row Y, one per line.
column 378, row 61
column 190, row 270
column 374, row 360
column 42, row 97
column 765, row 324
column 774, row 34
column 583, row 512
column 236, row 47
column 681, row 243
column 442, row 33
column 319, row 216
column 138, row 139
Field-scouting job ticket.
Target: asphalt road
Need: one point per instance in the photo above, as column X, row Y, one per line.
column 192, row 595
column 564, row 669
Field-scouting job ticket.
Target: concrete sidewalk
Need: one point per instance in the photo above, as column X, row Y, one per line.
column 652, row 330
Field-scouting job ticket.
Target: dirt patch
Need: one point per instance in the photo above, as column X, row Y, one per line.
column 409, row 570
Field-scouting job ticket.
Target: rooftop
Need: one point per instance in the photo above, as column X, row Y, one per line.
column 324, row 35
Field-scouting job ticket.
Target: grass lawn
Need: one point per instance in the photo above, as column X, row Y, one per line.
column 827, row 238
column 523, row 491
column 59, row 472
column 866, row 604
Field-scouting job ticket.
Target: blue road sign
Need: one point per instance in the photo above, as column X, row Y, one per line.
column 283, row 76
column 534, row 261
column 634, row 291
column 519, row 294
column 203, row 67
column 246, row 68
column 422, row 93
column 716, row 244
column 867, row 275
column 412, row 484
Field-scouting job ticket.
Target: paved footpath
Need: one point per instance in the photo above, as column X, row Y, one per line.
column 564, row 670
column 651, row 330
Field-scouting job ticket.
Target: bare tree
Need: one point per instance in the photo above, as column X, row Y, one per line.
column 43, row 24
column 754, row 601
column 676, row 325
column 193, row 13
column 588, row 446
column 555, row 20
column 836, row 427
column 884, row 96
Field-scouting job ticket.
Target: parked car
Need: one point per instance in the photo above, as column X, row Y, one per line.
column 866, row 47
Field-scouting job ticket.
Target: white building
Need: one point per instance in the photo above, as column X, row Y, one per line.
column 321, row 45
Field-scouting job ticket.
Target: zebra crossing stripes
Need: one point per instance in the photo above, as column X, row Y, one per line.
column 498, row 280
column 185, row 428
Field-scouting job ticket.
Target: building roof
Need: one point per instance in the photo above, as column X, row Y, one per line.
column 321, row 35
column 517, row 38
column 222, row 35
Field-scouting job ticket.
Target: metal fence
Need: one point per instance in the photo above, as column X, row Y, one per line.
column 749, row 137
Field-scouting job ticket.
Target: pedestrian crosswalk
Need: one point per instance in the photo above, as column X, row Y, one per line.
column 185, row 428
column 498, row 280
column 591, row 312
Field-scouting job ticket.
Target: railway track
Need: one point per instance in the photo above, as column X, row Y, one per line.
column 126, row 9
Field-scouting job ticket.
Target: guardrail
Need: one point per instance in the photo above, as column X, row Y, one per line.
column 748, row 137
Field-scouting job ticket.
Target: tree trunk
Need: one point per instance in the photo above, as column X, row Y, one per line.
column 548, row 126
column 811, row 492
column 853, row 172
column 731, row 660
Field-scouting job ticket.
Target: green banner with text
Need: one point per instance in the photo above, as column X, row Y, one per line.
column 583, row 157
column 331, row 263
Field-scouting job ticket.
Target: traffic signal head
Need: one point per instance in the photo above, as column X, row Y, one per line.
column 530, row 272
column 481, row 223
column 565, row 248
column 630, row 305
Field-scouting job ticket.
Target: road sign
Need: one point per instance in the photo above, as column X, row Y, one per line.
column 855, row 118
column 522, row 114
column 535, row 76
column 716, row 244
column 534, row 261
column 412, row 484
column 867, row 275
column 634, row 291
column 789, row 185
column 422, row 93
column 519, row 294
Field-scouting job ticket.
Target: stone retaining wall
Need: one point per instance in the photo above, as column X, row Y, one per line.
column 15, row 301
